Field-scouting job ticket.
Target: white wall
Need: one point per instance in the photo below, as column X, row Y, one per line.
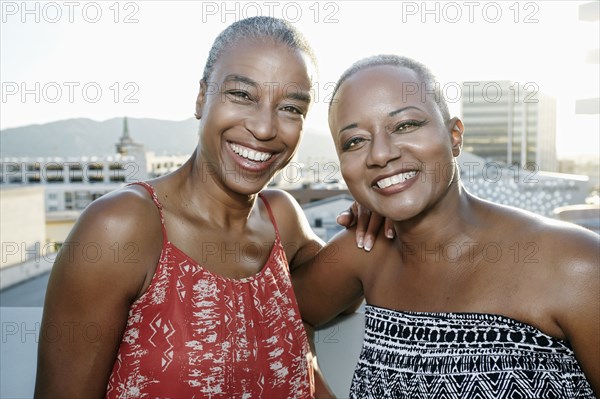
column 22, row 224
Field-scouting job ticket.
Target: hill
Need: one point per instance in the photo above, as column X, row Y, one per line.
column 87, row 137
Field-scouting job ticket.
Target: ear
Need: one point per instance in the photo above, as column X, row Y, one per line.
column 456, row 135
column 201, row 99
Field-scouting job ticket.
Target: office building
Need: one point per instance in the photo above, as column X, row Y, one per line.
column 510, row 123
column 590, row 14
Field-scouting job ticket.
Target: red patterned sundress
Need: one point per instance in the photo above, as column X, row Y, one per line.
column 196, row 334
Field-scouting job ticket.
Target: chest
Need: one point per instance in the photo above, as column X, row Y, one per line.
column 226, row 252
column 482, row 282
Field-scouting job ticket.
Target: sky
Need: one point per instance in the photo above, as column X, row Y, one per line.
column 143, row 59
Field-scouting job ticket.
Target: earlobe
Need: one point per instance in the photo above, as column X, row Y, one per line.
column 456, row 135
column 200, row 100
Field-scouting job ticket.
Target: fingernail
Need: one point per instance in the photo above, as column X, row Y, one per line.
column 368, row 244
column 359, row 242
column 390, row 233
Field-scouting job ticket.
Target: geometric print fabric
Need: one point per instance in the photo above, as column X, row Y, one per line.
column 419, row 355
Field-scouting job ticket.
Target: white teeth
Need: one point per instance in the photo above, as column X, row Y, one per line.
column 396, row 179
column 250, row 154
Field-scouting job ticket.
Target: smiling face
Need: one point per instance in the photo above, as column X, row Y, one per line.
column 252, row 113
column 396, row 150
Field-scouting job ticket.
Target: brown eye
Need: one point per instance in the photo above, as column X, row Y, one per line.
column 239, row 94
column 292, row 109
column 352, row 143
column 408, row 126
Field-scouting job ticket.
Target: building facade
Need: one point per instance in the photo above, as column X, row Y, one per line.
column 590, row 14
column 536, row 191
column 22, row 225
column 510, row 123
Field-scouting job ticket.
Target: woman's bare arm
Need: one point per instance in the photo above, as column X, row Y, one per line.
column 312, row 264
column 332, row 281
column 578, row 296
column 101, row 269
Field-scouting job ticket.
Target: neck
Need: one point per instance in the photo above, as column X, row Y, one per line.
column 449, row 222
column 201, row 192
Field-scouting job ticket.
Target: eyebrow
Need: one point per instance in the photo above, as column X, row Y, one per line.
column 395, row 112
column 399, row 110
column 299, row 95
column 241, row 79
column 294, row 94
column 350, row 126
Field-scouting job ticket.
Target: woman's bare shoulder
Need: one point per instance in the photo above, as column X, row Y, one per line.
column 280, row 200
column 559, row 245
column 127, row 210
column 288, row 213
column 122, row 230
column 118, row 220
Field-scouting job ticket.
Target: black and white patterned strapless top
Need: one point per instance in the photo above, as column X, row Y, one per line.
column 415, row 355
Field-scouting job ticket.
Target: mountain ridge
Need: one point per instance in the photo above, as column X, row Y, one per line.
column 87, row 137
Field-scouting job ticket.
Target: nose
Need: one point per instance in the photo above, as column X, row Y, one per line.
column 262, row 123
column 382, row 150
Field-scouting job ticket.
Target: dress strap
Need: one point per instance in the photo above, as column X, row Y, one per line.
column 264, row 200
column 152, row 193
